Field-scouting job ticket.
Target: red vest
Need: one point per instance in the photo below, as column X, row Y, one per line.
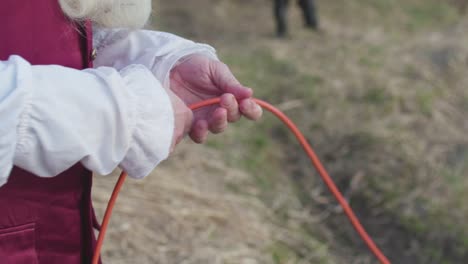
column 45, row 220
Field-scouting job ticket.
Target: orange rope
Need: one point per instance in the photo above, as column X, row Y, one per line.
column 313, row 158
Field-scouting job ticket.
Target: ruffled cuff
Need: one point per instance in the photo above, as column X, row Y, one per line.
column 14, row 100
column 153, row 122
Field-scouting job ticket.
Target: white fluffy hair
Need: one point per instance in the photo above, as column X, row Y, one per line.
column 109, row 13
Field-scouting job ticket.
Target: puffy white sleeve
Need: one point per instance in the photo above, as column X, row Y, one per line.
column 158, row 51
column 52, row 117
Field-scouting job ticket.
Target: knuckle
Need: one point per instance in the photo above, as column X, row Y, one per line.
column 218, row 129
column 221, row 65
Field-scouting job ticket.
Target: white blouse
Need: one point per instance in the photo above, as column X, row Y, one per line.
column 117, row 114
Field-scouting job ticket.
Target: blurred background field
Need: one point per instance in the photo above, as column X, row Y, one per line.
column 380, row 92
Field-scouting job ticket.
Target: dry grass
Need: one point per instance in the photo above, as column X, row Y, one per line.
column 184, row 214
column 380, row 91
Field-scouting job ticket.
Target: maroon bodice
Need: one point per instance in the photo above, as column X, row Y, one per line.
column 45, row 220
column 38, row 31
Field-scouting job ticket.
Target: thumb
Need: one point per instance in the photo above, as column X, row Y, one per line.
column 183, row 118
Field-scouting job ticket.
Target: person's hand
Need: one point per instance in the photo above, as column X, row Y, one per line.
column 199, row 78
column 183, row 118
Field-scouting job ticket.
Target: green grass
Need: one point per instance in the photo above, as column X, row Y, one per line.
column 425, row 102
column 432, row 13
column 385, row 140
column 272, row 79
column 376, row 96
column 281, row 253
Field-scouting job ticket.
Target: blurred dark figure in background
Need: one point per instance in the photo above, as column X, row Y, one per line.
column 308, row 10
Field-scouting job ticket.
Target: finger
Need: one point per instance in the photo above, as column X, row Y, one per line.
column 239, row 91
column 183, row 118
column 218, row 121
column 188, row 122
column 199, row 131
column 229, row 102
column 250, row 109
column 187, row 127
column 224, row 79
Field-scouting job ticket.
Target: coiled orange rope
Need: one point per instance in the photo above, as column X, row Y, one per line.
column 313, row 158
